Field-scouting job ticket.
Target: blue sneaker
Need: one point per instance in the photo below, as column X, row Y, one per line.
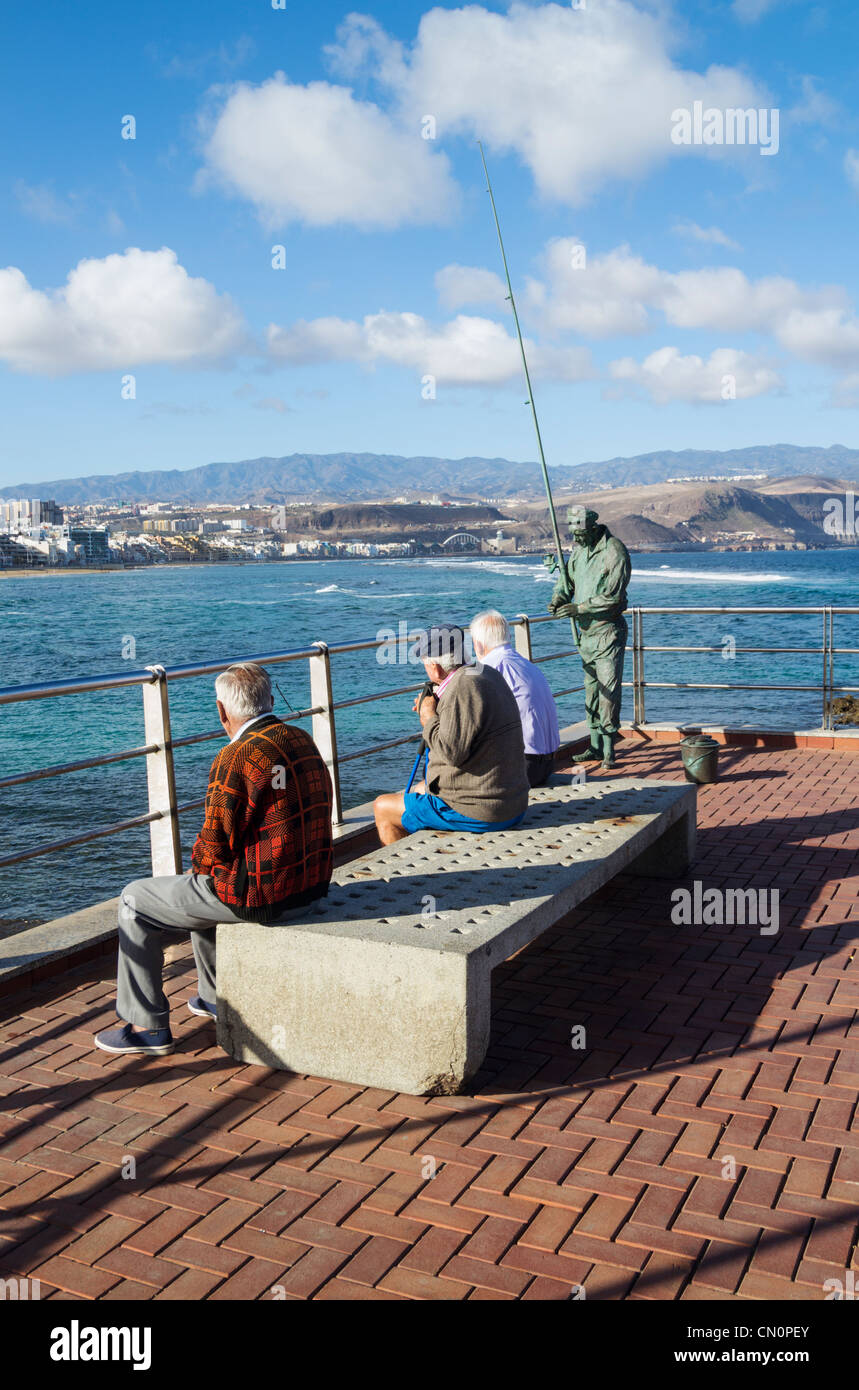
column 155, row 1043
column 201, row 1009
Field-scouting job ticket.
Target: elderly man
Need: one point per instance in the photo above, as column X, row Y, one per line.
column 263, row 855
column 476, row 778
column 490, row 635
column 593, row 594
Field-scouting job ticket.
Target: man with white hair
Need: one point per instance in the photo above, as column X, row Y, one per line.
column 490, row 635
column 264, row 854
column 476, row 777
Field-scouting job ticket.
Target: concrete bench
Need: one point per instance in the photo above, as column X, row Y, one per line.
column 389, row 984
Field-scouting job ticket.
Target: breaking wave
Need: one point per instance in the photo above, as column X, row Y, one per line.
column 671, row 576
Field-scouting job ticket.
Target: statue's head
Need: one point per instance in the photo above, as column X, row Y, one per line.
column 583, row 524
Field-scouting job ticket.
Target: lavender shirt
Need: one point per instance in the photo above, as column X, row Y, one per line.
column 533, row 696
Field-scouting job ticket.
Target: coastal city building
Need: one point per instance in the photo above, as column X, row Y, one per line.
column 23, row 514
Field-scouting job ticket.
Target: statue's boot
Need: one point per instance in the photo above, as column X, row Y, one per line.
column 608, row 758
column 588, row 755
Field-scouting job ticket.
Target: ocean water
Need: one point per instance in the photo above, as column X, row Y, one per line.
column 63, row 625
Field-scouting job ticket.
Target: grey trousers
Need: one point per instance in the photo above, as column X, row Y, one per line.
column 151, row 910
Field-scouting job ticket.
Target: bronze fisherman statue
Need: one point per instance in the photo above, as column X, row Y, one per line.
column 593, row 594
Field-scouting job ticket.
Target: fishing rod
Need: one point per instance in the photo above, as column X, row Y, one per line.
column 423, row 750
column 559, row 549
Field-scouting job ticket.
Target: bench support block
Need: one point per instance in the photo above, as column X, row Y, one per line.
column 672, row 854
column 369, row 989
column 366, row 1012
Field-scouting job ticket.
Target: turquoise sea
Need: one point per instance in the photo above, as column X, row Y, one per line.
column 63, row 625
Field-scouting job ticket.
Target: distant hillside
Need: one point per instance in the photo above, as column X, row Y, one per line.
column 775, row 460
column 330, row 478
column 301, row 477
column 684, row 513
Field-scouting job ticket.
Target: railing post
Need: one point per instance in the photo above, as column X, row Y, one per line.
column 635, row 666
column 828, row 713
column 639, row 710
column 824, row 722
column 324, row 729
column 522, row 634
column 164, row 839
column 831, row 668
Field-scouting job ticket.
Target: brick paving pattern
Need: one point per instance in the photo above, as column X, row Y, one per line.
column 705, row 1145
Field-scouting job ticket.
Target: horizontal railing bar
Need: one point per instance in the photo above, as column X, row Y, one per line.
column 714, row 685
column 101, row 834
column 211, row 668
column 80, row 766
column 379, row 748
column 191, row 805
column 798, row 651
column 385, row 695
column 742, row 609
column 197, row 738
column 11, row 694
column 366, row 644
column 555, row 656
column 219, row 733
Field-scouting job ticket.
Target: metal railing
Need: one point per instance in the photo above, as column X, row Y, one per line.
column 159, row 746
column 827, row 651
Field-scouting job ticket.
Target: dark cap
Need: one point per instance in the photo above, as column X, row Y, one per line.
column 579, row 518
column 441, row 642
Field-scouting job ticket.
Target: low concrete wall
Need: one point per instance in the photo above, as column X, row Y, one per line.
column 55, row 946
column 832, row 740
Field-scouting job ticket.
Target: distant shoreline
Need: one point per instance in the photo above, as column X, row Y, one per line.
column 701, row 549
column 39, row 571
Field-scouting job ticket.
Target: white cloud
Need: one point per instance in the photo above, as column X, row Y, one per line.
column 598, row 297
column 317, row 155
column 458, row 285
column 711, row 236
column 117, row 313
column 581, row 95
column 725, row 299
column 851, row 168
column 826, row 335
column 467, row 351
column 607, row 296
column 619, row 293
column 667, row 376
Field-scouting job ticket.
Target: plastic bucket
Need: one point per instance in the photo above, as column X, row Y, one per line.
column 700, row 754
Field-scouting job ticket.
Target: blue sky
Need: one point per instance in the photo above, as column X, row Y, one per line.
column 713, row 303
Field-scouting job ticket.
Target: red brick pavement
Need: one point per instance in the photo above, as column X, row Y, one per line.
column 705, row 1145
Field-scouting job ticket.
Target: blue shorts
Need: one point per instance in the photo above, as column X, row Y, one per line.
column 423, row 811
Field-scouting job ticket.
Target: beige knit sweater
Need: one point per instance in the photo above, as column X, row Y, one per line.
column 477, row 753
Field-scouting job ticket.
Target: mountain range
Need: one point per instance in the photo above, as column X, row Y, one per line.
column 364, row 477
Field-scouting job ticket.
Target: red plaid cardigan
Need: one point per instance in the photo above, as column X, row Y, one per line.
column 266, row 839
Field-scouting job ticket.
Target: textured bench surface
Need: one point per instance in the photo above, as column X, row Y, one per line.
column 389, row 984
column 574, row 837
